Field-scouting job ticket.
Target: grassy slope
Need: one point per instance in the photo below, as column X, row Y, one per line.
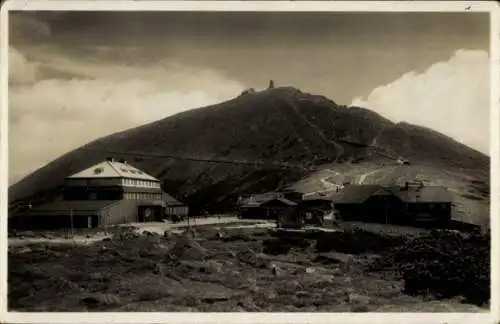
column 282, row 124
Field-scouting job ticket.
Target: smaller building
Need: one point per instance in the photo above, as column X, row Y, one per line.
column 410, row 204
column 264, row 207
column 174, row 209
column 316, row 209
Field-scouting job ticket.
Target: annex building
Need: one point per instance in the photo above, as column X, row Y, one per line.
column 108, row 193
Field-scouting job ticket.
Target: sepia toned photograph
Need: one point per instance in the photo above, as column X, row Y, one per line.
column 249, row 161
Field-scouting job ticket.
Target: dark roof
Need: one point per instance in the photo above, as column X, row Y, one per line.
column 78, row 207
column 425, row 194
column 325, row 196
column 171, row 201
column 281, row 200
column 259, row 203
column 359, row 193
column 257, row 199
column 252, row 204
column 353, row 194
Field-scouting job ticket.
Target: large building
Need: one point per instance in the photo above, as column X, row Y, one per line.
column 108, row 193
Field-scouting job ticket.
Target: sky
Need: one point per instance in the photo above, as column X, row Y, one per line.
column 77, row 76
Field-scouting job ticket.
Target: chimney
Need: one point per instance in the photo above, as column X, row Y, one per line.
column 122, row 161
column 406, row 185
column 110, row 159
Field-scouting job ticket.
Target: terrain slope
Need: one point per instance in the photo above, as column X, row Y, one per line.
column 274, row 139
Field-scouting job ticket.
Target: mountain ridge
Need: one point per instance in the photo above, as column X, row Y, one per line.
column 280, row 125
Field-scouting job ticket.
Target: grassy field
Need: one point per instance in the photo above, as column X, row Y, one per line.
column 209, row 268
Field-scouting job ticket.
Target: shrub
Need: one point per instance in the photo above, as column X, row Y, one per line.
column 275, row 247
column 443, row 264
column 357, row 241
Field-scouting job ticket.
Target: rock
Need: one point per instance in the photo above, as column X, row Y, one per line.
column 186, row 248
column 100, row 300
column 24, row 250
column 166, row 234
column 358, row 299
column 301, row 293
column 220, row 235
column 274, row 269
column 29, row 234
column 257, row 260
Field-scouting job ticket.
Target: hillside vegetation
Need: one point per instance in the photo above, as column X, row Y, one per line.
column 277, row 125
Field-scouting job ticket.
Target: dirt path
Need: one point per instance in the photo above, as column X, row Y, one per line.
column 160, row 228
column 157, row 227
column 362, row 178
column 328, row 186
column 79, row 240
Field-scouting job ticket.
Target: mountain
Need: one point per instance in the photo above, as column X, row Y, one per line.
column 273, row 127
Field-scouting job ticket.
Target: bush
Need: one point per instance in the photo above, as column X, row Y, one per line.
column 357, row 241
column 276, row 247
column 443, row 264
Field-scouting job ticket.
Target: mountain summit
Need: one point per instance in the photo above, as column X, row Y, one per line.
column 260, row 141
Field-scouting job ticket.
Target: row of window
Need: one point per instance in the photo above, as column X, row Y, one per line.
column 140, row 183
column 142, row 196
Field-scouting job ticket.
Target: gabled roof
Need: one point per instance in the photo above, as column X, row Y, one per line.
column 267, row 200
column 428, row 194
column 171, row 201
column 353, row 194
column 281, row 200
column 257, row 199
column 359, row 193
column 112, row 169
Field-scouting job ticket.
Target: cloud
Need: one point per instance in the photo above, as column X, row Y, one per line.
column 27, row 27
column 50, row 116
column 452, row 97
column 20, row 69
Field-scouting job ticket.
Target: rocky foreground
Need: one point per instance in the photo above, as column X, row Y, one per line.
column 213, row 269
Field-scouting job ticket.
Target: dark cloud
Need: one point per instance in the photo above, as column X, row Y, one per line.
column 72, row 69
